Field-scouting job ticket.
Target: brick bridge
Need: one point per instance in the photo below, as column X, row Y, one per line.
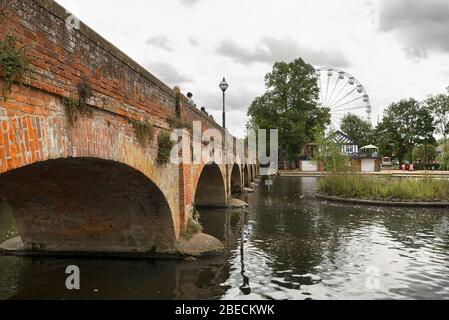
column 90, row 185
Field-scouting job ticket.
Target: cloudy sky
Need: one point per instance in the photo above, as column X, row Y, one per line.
column 396, row 48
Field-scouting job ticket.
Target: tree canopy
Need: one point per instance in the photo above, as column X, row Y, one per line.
column 405, row 124
column 290, row 105
column 358, row 129
column 439, row 107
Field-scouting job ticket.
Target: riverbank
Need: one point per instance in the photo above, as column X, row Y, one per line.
column 388, row 190
column 383, row 173
column 397, row 203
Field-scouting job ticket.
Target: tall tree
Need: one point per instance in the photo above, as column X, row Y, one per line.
column 290, row 105
column 439, row 107
column 405, row 124
column 358, row 129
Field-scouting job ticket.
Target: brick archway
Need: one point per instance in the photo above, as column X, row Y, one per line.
column 246, row 177
column 210, row 191
column 236, row 180
column 87, row 205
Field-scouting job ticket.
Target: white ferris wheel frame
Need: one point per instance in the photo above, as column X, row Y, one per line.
column 336, row 103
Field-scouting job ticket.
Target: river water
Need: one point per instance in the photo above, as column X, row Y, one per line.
column 288, row 245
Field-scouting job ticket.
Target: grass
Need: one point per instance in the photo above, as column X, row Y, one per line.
column 387, row 188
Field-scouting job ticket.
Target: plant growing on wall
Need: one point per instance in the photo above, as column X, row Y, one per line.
column 193, row 225
column 14, row 61
column 165, row 145
column 144, row 131
column 75, row 107
column 177, row 123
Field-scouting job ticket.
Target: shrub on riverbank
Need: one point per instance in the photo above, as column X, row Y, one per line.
column 387, row 188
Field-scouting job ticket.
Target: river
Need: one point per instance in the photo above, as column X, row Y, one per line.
column 288, row 245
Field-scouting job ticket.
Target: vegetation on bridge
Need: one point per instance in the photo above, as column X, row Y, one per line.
column 75, row 107
column 193, row 225
column 165, row 145
column 14, row 61
column 144, row 131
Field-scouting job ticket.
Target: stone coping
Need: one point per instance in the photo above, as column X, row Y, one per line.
column 435, row 204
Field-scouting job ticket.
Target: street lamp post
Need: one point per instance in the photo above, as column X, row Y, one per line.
column 224, row 86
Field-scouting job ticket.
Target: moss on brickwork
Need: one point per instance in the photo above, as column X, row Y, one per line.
column 165, row 145
column 144, row 131
column 14, row 61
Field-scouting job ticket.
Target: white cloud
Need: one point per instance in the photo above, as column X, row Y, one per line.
column 212, row 39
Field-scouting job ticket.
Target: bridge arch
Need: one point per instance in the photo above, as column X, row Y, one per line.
column 87, row 205
column 236, row 179
column 210, row 190
column 246, row 177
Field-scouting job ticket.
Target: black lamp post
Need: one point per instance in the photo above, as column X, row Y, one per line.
column 224, row 86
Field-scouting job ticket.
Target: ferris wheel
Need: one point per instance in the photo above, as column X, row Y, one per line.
column 342, row 94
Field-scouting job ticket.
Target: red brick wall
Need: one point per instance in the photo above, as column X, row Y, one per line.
column 34, row 124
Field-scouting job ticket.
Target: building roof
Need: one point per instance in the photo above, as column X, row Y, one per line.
column 341, row 138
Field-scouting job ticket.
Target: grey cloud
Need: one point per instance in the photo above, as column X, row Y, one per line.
column 422, row 26
column 236, row 100
column 190, row 3
column 160, row 42
column 193, row 42
column 167, row 74
column 270, row 50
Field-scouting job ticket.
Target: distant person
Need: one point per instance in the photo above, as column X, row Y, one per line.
column 190, row 99
column 212, row 118
column 203, row 109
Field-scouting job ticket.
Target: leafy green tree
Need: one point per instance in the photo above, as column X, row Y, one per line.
column 405, row 124
column 443, row 159
column 358, row 129
column 439, row 107
column 290, row 105
column 330, row 154
column 425, row 152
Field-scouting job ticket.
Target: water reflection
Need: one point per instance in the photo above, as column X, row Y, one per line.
column 288, row 245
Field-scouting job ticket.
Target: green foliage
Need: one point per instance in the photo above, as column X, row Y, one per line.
column 425, row 152
column 14, row 61
column 75, row 107
column 290, row 105
column 176, row 123
column 405, row 124
column 329, row 153
column 178, row 102
column 439, row 108
column 374, row 188
column 193, row 225
column 443, row 159
column 164, row 147
column 358, row 129
column 144, row 131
